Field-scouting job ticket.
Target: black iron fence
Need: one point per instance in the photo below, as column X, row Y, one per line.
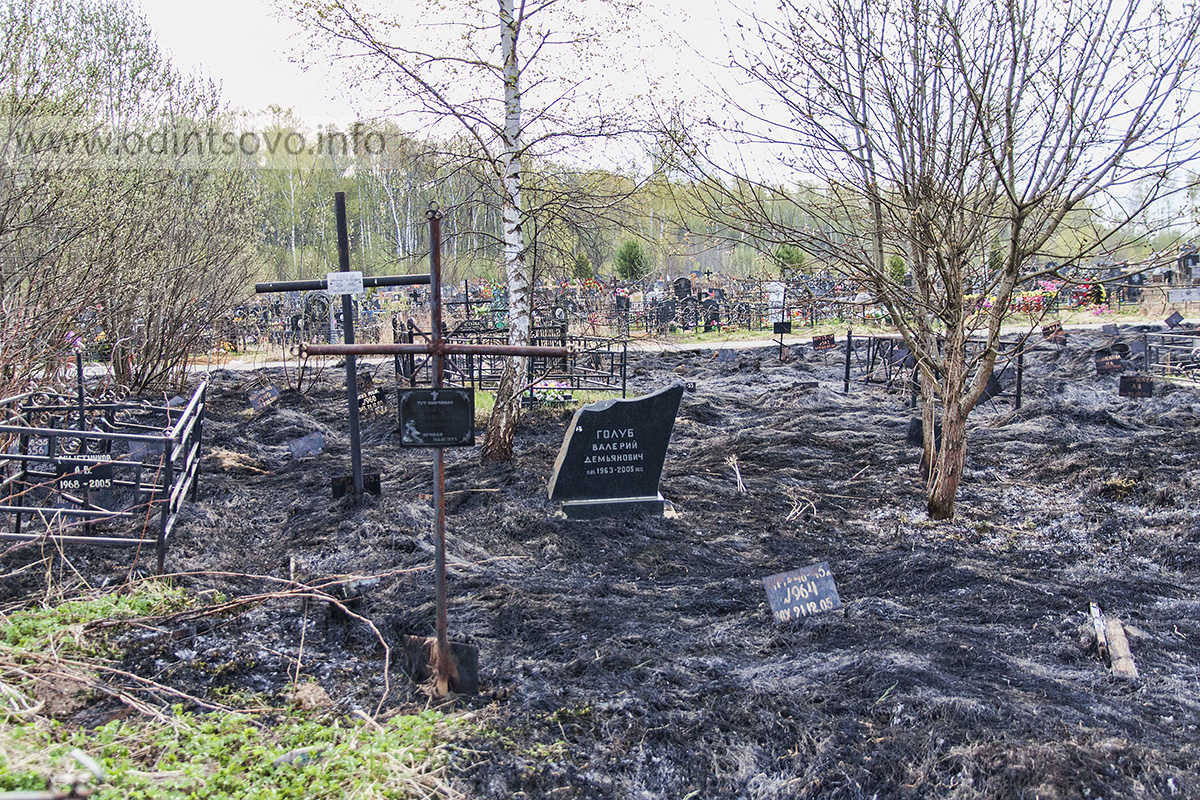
column 98, row 473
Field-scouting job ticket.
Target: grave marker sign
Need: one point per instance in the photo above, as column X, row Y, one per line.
column 437, row 417
column 1136, row 386
column 1054, row 332
column 612, row 457
column 1107, row 363
column 261, row 398
column 802, row 592
column 825, row 342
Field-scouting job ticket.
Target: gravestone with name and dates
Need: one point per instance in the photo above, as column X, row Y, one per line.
column 612, row 457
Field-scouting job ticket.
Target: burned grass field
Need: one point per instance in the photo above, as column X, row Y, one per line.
column 638, row 658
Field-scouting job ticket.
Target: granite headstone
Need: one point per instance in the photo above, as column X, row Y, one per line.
column 612, row 457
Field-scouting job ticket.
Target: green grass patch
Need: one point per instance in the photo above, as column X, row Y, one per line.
column 247, row 749
column 234, row 756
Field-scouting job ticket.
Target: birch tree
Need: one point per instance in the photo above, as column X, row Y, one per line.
column 958, row 135
column 518, row 78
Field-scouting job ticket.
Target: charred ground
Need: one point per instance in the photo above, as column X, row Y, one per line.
column 638, row 658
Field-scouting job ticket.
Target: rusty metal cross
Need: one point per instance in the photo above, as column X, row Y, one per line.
column 447, row 673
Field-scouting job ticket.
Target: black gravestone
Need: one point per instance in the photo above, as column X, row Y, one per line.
column 1174, row 320
column 612, row 456
column 682, row 287
column 802, row 592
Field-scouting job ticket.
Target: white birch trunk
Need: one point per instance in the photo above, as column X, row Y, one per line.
column 498, row 444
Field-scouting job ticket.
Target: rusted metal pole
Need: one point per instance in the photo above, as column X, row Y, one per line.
column 343, row 244
column 446, row 668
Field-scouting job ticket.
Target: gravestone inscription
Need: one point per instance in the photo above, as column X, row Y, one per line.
column 612, row 456
column 802, row 592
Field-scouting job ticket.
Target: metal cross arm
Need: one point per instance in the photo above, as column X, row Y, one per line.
column 319, row 285
column 435, row 348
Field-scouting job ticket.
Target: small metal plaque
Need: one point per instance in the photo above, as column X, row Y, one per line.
column 781, row 328
column 802, row 592
column 437, row 417
column 337, row 283
column 1107, row 363
column 373, row 401
column 1136, row 386
column 261, row 398
column 75, row 475
column 826, row 342
column 1174, row 320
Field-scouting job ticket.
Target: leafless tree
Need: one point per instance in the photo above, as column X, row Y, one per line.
column 959, row 136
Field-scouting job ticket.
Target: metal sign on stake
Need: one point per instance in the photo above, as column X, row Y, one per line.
column 346, row 283
column 451, row 673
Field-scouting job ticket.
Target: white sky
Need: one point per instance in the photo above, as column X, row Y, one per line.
column 251, row 50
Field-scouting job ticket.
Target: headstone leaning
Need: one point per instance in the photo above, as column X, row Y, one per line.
column 612, row 457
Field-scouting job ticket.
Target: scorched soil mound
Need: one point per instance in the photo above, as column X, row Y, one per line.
column 638, row 658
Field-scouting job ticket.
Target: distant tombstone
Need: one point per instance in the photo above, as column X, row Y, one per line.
column 1111, row 330
column 902, row 357
column 776, row 294
column 1054, row 332
column 261, row 398
column 824, row 342
column 682, row 288
column 1136, row 386
column 1174, row 320
column 311, row 445
column 993, row 388
column 1107, row 363
column 437, row 417
column 612, row 457
column 802, row 592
